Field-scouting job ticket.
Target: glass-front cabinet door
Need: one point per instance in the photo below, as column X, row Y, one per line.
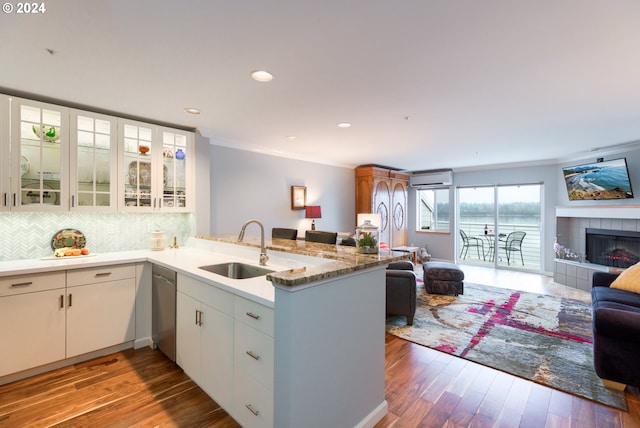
column 40, row 156
column 5, row 161
column 94, row 158
column 137, row 166
column 177, row 173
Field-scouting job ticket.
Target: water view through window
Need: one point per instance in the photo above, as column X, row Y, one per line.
column 500, row 225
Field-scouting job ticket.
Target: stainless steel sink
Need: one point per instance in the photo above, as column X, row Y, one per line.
column 235, row 270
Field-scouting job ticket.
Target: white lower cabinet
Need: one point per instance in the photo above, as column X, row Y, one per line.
column 204, row 334
column 100, row 308
column 48, row 317
column 225, row 344
column 32, row 321
column 254, row 364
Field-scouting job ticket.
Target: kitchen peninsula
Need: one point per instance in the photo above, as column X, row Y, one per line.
column 323, row 313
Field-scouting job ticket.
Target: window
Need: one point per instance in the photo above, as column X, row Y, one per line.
column 433, row 210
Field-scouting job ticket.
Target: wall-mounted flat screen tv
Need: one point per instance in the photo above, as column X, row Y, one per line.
column 598, row 180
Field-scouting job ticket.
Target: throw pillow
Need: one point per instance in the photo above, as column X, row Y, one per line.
column 629, row 280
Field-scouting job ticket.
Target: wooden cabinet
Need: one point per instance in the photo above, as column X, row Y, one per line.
column 32, row 321
column 204, row 334
column 254, row 364
column 384, row 191
column 100, row 308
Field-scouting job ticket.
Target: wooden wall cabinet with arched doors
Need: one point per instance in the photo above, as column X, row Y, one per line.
column 384, row 191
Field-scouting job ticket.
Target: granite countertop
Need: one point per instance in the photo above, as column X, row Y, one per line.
column 340, row 259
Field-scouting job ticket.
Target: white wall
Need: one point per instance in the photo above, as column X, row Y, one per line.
column 246, row 185
column 442, row 246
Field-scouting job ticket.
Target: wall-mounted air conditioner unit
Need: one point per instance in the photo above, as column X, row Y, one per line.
column 433, row 178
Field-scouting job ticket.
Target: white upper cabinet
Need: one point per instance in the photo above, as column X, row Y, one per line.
column 178, row 171
column 63, row 159
column 39, row 156
column 5, row 161
column 137, row 166
column 155, row 168
column 94, row 160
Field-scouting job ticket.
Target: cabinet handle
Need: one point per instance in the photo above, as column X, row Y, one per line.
column 198, row 317
column 6, row 199
column 102, row 274
column 252, row 355
column 251, row 409
column 73, row 201
column 252, row 315
column 62, row 301
column 70, row 300
column 21, row 284
column 15, row 199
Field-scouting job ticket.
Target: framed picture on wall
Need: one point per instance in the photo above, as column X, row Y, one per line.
column 298, row 197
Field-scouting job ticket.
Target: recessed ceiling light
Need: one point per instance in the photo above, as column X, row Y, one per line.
column 344, row 125
column 192, row 110
column 261, row 76
column 291, row 137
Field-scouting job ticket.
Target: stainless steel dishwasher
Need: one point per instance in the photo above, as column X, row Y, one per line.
column 163, row 294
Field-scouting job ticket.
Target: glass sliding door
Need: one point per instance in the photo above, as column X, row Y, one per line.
column 500, row 226
column 476, row 224
column 519, row 226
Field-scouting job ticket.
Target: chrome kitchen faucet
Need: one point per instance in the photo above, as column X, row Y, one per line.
column 263, row 249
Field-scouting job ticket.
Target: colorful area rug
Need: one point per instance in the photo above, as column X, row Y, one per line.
column 541, row 338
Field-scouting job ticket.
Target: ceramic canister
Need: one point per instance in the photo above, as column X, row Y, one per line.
column 158, row 240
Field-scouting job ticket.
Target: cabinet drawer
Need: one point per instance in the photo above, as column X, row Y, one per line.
column 100, row 274
column 207, row 294
column 254, row 314
column 254, row 354
column 19, row 284
column 252, row 403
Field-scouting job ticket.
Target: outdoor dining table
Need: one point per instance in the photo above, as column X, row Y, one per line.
column 489, row 237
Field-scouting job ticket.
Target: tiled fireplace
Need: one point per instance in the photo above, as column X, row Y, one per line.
column 616, row 248
column 607, row 237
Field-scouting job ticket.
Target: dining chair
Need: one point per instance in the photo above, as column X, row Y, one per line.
column 513, row 242
column 284, row 233
column 469, row 242
column 320, row 236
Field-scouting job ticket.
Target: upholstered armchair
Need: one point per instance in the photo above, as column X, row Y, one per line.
column 401, row 290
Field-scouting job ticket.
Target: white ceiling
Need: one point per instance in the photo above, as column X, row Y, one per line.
column 426, row 83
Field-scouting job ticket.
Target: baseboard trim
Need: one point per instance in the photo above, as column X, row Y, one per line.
column 375, row 416
column 64, row 363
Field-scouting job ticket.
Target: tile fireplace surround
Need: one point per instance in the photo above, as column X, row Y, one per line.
column 571, row 225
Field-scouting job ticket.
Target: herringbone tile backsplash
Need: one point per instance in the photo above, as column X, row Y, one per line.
column 29, row 235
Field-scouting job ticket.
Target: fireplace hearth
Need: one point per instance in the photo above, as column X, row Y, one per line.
column 616, row 248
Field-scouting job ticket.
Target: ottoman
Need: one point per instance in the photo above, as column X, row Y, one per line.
column 442, row 278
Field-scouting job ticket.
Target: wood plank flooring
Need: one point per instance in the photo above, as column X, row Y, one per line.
column 140, row 388
column 424, row 388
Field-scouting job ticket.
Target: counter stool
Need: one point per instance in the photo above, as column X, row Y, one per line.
column 443, row 278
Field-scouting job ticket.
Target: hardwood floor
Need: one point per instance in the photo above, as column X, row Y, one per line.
column 427, row 388
column 140, row 388
column 424, row 388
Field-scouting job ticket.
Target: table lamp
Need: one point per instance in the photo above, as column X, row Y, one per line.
column 313, row 212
